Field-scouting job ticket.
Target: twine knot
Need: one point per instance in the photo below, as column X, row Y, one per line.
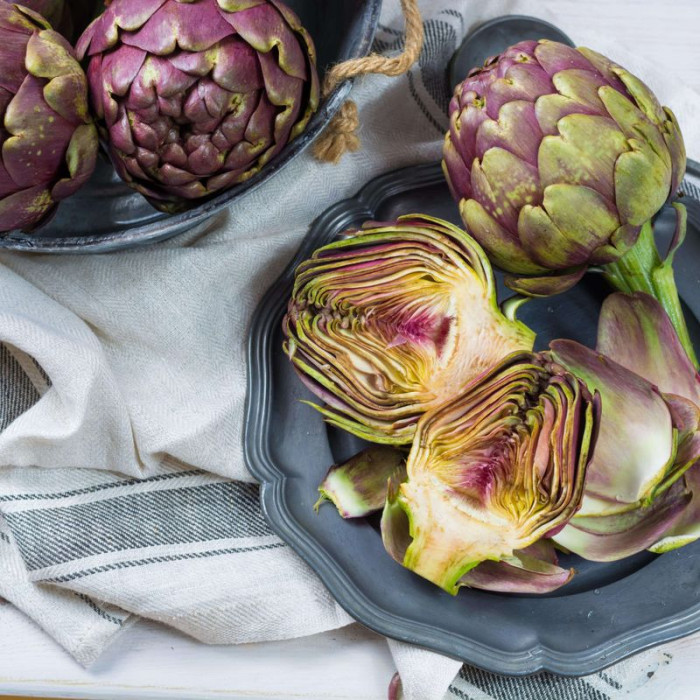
column 340, row 135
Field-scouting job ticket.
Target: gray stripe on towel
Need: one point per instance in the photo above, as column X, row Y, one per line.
column 17, row 393
column 161, row 560
column 200, row 514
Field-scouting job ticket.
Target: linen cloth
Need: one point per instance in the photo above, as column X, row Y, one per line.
column 123, row 491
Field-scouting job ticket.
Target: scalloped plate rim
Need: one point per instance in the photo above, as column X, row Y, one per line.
column 536, row 658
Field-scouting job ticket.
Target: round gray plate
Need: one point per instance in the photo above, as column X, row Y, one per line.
column 106, row 215
column 607, row 612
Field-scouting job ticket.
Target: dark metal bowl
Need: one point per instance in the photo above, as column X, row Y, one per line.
column 106, row 215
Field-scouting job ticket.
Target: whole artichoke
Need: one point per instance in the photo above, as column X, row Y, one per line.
column 558, row 159
column 392, row 321
column 197, row 95
column 491, row 472
column 643, row 484
column 49, row 142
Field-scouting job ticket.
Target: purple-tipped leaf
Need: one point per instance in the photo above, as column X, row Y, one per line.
column 527, row 571
column 613, row 537
column 636, row 444
column 635, row 331
column 685, row 529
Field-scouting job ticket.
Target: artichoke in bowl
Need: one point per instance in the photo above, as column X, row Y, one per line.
column 559, row 159
column 393, row 320
column 194, row 96
column 48, row 139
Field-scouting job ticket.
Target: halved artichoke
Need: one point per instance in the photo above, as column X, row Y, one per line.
column 643, row 484
column 369, row 482
column 392, row 321
column 492, row 472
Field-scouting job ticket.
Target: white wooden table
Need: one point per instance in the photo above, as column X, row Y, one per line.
column 149, row 661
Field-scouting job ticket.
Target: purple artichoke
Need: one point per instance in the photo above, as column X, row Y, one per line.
column 559, row 158
column 197, row 95
column 49, row 142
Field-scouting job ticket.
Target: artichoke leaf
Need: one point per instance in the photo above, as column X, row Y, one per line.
column 359, row 486
column 636, row 444
column 635, row 331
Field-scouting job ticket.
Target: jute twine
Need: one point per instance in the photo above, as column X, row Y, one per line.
column 340, row 136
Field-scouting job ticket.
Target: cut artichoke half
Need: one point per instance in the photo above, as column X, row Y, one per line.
column 492, row 472
column 370, row 482
column 392, row 321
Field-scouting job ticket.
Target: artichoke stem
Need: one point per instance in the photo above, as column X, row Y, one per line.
column 642, row 270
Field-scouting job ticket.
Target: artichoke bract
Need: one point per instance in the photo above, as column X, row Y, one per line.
column 493, row 471
column 195, row 96
column 643, row 484
column 393, row 320
column 358, row 487
column 558, row 159
column 48, row 140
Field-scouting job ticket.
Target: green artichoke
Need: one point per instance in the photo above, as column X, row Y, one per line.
column 559, row 159
column 195, row 96
column 643, row 484
column 493, row 471
column 393, row 320
column 48, row 140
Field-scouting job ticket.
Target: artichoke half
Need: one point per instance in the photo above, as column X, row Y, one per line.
column 394, row 320
column 559, row 159
column 369, row 482
column 493, row 471
column 643, row 484
column 195, row 96
column 48, row 140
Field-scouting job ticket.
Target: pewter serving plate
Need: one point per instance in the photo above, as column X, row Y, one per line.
column 106, row 215
column 607, row 612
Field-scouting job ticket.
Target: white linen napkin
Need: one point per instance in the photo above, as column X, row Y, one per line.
column 123, row 490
